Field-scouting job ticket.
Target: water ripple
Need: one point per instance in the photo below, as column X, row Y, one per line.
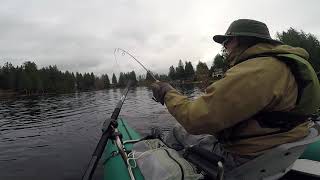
column 47, row 137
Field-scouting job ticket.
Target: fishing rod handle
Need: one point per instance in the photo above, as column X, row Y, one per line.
column 96, row 155
column 108, row 130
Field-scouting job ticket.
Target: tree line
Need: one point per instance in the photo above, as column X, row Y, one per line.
column 186, row 71
column 290, row 37
column 305, row 40
column 29, row 79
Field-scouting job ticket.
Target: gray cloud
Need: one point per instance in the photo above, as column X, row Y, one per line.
column 81, row 35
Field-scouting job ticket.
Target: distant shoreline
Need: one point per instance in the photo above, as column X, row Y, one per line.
column 7, row 92
column 10, row 93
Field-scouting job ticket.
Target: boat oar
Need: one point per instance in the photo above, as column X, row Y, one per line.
column 108, row 128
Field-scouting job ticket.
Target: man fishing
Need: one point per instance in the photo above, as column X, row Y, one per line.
column 264, row 99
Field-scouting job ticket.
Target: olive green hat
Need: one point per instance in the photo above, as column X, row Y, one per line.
column 246, row 28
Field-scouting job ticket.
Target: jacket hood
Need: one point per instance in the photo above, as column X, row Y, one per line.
column 263, row 48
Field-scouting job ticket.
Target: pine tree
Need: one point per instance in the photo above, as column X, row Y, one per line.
column 189, row 71
column 29, row 79
column 149, row 77
column 122, row 80
column 218, row 64
column 9, row 74
column 114, row 79
column 202, row 72
column 105, row 80
column 133, row 77
column 99, row 82
column 304, row 40
column 172, row 73
column 79, row 81
column 180, row 71
column 32, row 73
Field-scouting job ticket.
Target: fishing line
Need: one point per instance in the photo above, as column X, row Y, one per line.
column 119, row 68
column 124, row 52
column 115, row 57
column 116, row 64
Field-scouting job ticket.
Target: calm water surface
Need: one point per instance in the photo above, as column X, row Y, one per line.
column 53, row 137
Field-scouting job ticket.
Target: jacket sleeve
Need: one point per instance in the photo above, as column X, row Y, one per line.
column 246, row 89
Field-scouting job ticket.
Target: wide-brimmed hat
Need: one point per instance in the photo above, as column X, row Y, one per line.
column 246, row 28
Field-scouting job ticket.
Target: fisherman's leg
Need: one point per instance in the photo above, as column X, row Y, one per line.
column 231, row 160
column 178, row 138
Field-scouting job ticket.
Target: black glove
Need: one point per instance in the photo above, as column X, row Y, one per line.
column 159, row 90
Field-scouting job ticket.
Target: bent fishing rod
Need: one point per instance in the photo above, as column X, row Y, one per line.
column 126, row 52
column 109, row 127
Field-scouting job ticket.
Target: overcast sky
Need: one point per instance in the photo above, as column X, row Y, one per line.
column 81, row 35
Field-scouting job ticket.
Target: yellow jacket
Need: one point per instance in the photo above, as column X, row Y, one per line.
column 255, row 85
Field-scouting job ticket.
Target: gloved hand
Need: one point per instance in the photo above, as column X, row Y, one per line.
column 159, row 90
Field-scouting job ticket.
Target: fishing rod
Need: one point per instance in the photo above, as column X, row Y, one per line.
column 123, row 52
column 126, row 52
column 109, row 128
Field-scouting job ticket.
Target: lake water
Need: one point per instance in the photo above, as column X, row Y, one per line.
column 53, row 137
